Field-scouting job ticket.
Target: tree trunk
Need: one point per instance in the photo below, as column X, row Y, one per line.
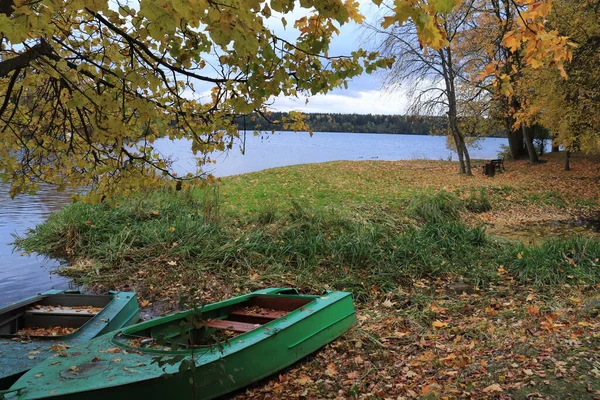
column 528, row 136
column 555, row 149
column 459, row 151
column 515, row 141
column 567, row 160
column 515, row 135
column 467, row 171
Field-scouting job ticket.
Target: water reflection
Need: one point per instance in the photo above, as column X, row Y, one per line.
column 21, row 275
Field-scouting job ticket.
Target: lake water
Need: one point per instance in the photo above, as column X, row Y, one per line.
column 22, row 276
column 289, row 148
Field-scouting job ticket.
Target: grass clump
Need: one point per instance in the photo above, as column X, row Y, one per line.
column 574, row 260
column 478, row 201
column 435, row 208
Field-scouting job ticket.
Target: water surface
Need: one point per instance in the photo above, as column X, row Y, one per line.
column 21, row 275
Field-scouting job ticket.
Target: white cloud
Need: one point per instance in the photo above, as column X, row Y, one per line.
column 360, row 102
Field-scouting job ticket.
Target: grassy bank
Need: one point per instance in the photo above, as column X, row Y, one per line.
column 448, row 302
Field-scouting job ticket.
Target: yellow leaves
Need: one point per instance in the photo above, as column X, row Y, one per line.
column 144, row 303
column 443, row 6
column 512, row 41
column 353, row 11
column 549, row 324
column 439, row 324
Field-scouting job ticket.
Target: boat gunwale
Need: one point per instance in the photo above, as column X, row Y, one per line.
column 74, row 334
column 193, row 350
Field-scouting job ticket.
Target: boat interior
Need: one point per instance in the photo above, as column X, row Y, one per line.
column 52, row 315
column 208, row 327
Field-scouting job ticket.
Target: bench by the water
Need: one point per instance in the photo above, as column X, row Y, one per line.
column 492, row 166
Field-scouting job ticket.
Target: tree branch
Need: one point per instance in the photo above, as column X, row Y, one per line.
column 23, row 59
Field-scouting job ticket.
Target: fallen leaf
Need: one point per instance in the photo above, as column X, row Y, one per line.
column 493, row 388
column 439, row 324
column 331, row 369
column 533, row 310
column 530, row 297
column 388, row 303
column 354, row 375
column 144, row 303
column 304, row 380
column 112, row 350
column 437, row 309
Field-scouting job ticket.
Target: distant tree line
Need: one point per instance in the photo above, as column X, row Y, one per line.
column 355, row 123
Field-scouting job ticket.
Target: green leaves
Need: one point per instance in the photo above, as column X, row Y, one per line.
column 444, row 6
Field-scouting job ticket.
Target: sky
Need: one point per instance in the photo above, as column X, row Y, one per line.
column 364, row 95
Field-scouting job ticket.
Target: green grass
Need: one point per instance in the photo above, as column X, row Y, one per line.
column 551, row 198
column 575, row 260
column 178, row 237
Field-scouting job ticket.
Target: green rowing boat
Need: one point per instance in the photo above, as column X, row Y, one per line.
column 38, row 327
column 196, row 354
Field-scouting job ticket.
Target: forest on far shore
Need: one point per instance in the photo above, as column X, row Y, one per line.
column 355, row 123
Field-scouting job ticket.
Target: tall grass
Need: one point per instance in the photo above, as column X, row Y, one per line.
column 575, row 260
column 176, row 238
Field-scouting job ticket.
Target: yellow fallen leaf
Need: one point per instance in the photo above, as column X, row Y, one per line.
column 439, row 324
column 575, row 300
column 144, row 303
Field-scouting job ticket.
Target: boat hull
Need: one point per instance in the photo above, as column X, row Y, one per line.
column 207, row 372
column 20, row 353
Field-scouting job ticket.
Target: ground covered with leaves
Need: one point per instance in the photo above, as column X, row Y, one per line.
column 465, row 287
column 429, row 341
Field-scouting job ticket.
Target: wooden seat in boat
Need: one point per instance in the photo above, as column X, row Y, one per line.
column 230, row 325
